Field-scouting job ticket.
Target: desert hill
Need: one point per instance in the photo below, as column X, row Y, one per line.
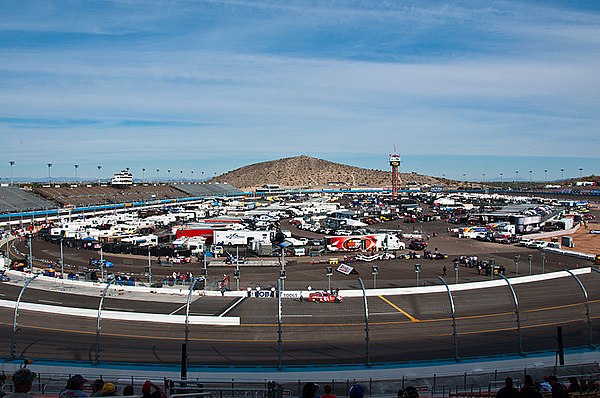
column 306, row 171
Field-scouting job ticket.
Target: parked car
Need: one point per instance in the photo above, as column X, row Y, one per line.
column 324, row 297
column 104, row 263
column 3, row 277
column 417, row 245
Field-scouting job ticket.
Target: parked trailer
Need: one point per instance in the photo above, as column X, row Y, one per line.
column 370, row 242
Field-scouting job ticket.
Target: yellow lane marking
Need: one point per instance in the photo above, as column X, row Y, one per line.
column 147, row 337
column 400, row 310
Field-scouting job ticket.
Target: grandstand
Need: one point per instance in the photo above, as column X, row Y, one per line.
column 208, row 189
column 89, row 195
column 13, row 199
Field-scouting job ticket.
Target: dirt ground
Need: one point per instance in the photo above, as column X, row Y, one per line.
column 584, row 241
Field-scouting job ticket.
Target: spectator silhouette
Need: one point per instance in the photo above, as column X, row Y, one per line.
column 508, row 391
column 128, row 391
column 529, row 389
column 23, row 381
column 558, row 389
column 356, row 391
column 97, row 387
column 328, row 393
column 309, row 390
column 74, row 388
column 573, row 385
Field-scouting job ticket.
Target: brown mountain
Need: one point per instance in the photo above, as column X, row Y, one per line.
column 306, row 171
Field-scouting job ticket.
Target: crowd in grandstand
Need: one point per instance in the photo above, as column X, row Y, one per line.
column 20, row 385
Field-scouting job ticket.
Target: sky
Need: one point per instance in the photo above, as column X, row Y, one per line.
column 458, row 87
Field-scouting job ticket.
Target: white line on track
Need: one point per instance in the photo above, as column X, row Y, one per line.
column 385, row 313
column 119, row 309
column 200, row 314
column 50, row 302
column 298, row 316
column 178, row 309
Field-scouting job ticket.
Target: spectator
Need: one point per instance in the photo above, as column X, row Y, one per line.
column 529, row 389
column 356, row 391
column 151, row 390
column 573, row 385
column 558, row 389
column 108, row 390
column 328, row 393
column 74, row 388
column 545, row 386
column 309, row 390
column 128, row 391
column 508, row 391
column 411, row 392
column 22, row 380
column 97, row 387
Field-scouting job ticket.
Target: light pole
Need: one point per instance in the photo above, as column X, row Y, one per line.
column 168, row 174
column 99, row 168
column 181, row 174
column 482, row 180
column 516, row 176
column 417, row 272
column 501, row 181
column 530, row 177
column 62, row 261
column 464, row 178
column 76, row 167
column 143, row 174
column 149, row 268
column 580, row 172
column 157, row 170
column 191, row 175
column 546, row 176
column 49, row 166
column 30, row 252
column 236, row 276
column 12, row 163
column 329, row 272
column 456, row 268
column 529, row 258
column 516, row 259
column 562, row 174
column 374, row 271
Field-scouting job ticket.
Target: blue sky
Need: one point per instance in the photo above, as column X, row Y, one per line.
column 459, row 87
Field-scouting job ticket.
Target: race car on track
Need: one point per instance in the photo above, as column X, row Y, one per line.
column 181, row 260
column 324, row 297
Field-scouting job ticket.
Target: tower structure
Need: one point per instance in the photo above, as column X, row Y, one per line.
column 395, row 163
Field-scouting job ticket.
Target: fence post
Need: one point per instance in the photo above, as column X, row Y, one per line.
column 13, row 343
column 186, row 333
column 367, row 340
column 453, row 309
column 97, row 358
column 516, row 301
column 279, row 320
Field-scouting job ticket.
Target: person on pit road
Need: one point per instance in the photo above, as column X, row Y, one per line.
column 74, row 388
column 309, row 390
column 508, row 391
column 529, row 389
column 328, row 392
column 23, row 381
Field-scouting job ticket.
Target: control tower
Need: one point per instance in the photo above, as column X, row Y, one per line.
column 395, row 163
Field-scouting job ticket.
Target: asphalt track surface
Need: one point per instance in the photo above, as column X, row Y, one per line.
column 401, row 328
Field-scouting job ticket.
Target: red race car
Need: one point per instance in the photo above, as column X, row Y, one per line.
column 324, row 297
column 181, row 260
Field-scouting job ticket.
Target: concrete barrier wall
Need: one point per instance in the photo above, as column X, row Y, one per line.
column 125, row 316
